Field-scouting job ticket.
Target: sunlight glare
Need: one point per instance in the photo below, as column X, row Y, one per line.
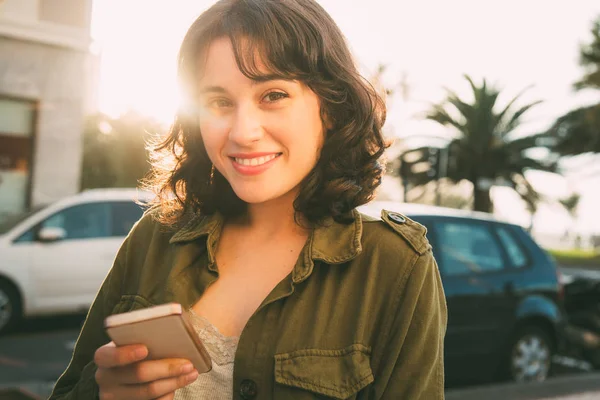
column 145, row 80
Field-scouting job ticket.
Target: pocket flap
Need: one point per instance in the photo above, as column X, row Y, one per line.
column 335, row 373
column 130, row 302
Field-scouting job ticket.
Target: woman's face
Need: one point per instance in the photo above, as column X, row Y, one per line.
column 263, row 137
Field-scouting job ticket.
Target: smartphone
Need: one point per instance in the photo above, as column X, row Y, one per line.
column 165, row 330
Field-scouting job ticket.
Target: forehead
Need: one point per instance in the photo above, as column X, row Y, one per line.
column 218, row 62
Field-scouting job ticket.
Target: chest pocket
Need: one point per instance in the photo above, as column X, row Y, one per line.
column 315, row 373
column 131, row 303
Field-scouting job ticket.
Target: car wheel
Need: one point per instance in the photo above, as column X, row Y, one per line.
column 10, row 307
column 530, row 355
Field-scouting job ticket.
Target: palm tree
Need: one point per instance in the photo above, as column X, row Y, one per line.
column 579, row 130
column 483, row 149
column 589, row 58
column 571, row 204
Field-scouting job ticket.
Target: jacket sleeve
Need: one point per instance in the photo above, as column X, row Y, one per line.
column 78, row 381
column 413, row 367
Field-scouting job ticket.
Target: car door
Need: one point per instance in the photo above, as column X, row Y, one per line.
column 69, row 272
column 480, row 296
column 66, row 272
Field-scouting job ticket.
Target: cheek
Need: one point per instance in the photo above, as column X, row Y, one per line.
column 305, row 126
column 215, row 124
column 214, row 133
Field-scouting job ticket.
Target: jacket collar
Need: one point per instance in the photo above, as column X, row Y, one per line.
column 331, row 242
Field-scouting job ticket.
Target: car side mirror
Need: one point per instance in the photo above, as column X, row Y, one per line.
column 48, row 235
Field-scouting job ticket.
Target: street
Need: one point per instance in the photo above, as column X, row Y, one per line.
column 35, row 356
column 585, row 386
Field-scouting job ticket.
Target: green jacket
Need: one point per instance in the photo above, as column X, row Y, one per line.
column 361, row 316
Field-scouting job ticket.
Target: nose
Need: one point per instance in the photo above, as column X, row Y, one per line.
column 247, row 127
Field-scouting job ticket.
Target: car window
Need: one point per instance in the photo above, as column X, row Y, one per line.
column 467, row 248
column 124, row 216
column 85, row 221
column 516, row 255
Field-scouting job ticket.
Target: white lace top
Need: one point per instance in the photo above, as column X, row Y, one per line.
column 218, row 383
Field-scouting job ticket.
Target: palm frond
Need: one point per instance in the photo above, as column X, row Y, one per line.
column 515, row 119
column 578, row 131
column 526, row 163
column 441, row 116
column 485, row 148
column 528, row 142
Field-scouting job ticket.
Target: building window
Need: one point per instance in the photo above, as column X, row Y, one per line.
column 16, row 143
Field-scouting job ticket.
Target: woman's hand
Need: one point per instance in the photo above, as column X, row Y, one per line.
column 122, row 374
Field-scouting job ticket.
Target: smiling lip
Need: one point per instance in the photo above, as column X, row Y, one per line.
column 253, row 163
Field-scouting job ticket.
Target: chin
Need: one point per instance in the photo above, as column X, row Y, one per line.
column 258, row 194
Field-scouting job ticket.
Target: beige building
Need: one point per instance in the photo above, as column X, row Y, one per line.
column 45, row 89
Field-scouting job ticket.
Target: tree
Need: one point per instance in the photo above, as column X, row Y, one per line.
column 589, row 59
column 451, row 196
column 578, row 131
column 114, row 150
column 483, row 149
column 571, row 203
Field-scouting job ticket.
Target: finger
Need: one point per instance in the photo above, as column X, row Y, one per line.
column 149, row 371
column 110, row 356
column 156, row 389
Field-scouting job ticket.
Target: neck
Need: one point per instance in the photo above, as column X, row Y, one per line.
column 273, row 218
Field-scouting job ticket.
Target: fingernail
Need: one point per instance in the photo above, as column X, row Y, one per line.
column 141, row 352
column 187, row 368
column 191, row 376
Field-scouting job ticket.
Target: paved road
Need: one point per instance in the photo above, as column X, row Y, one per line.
column 39, row 351
column 572, row 387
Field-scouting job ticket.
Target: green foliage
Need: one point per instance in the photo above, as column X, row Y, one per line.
column 578, row 131
column 589, row 58
column 571, row 203
column 576, row 257
column 482, row 146
column 114, row 150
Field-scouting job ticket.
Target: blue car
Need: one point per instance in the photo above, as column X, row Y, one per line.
column 505, row 300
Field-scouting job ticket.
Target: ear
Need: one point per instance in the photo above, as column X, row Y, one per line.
column 327, row 124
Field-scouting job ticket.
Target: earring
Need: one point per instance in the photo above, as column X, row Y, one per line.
column 212, row 175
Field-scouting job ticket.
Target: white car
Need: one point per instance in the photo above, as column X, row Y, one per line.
column 54, row 259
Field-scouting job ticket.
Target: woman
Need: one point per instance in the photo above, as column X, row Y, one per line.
column 295, row 293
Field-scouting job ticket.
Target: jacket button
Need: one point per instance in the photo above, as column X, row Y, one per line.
column 248, row 389
column 397, row 218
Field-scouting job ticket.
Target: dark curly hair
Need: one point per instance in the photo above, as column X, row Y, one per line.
column 298, row 40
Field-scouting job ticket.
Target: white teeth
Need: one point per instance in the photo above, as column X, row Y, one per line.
column 255, row 161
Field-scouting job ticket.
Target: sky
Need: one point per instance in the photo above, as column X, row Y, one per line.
column 428, row 45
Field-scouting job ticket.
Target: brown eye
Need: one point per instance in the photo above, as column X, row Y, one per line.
column 275, row 96
column 219, row 103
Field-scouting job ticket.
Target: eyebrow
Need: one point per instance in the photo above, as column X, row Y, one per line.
column 212, row 89
column 255, row 82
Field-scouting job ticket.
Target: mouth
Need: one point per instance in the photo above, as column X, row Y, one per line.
column 255, row 161
column 253, row 164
